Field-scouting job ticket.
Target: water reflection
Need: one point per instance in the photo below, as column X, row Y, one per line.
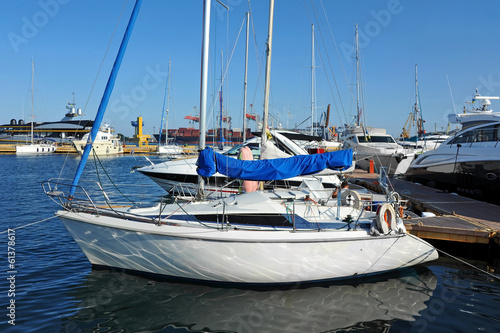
column 116, row 301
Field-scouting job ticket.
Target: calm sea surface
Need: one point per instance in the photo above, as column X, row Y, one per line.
column 51, row 287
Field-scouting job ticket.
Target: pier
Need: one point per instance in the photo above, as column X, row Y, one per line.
column 458, row 219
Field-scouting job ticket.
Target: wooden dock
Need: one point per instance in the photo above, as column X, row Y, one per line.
column 457, row 219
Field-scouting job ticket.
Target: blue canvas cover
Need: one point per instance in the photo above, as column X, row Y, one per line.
column 210, row 162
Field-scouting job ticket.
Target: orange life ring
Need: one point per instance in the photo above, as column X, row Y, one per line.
column 386, row 218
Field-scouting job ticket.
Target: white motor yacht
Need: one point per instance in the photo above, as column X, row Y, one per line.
column 469, row 161
column 105, row 142
column 375, row 146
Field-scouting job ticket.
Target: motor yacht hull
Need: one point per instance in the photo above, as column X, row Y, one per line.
column 479, row 178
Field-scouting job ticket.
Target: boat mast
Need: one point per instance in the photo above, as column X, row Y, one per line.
column 32, row 92
column 221, row 137
column 203, row 87
column 268, row 73
column 167, row 99
column 245, row 83
column 312, row 82
column 358, row 74
column 418, row 115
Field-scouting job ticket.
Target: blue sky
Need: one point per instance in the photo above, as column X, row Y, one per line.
column 68, row 40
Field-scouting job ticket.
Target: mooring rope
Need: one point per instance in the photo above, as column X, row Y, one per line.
column 458, row 259
column 465, row 262
column 27, row 225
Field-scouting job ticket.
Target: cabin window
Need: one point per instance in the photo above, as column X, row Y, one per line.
column 374, row 138
column 466, row 137
column 483, row 134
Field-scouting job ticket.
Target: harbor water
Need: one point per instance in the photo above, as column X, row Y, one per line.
column 47, row 284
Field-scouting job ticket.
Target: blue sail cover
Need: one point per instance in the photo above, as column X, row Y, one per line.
column 210, row 162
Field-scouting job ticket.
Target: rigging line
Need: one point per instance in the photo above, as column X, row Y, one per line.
column 26, row 225
column 330, row 66
column 105, row 54
column 258, row 59
column 224, row 74
column 387, row 250
column 96, row 158
column 97, row 75
column 337, row 52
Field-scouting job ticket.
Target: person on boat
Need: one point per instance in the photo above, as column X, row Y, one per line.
column 343, row 186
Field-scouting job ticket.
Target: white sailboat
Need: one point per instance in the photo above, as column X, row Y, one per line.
column 262, row 237
column 34, row 148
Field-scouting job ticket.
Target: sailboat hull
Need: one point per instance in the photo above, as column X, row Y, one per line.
column 32, row 149
column 240, row 256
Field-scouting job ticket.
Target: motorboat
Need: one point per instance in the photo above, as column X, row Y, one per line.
column 374, row 147
column 469, row 161
column 105, row 142
column 180, row 176
column 285, row 236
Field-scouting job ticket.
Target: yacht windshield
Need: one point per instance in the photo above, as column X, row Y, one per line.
column 375, row 138
column 483, row 134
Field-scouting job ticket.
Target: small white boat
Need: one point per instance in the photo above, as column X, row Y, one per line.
column 34, row 148
column 170, row 150
column 105, row 142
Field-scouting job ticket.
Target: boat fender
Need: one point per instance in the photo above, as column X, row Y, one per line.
column 248, row 185
column 351, row 198
column 386, row 218
column 401, row 211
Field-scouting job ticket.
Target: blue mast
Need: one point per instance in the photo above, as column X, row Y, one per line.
column 105, row 97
